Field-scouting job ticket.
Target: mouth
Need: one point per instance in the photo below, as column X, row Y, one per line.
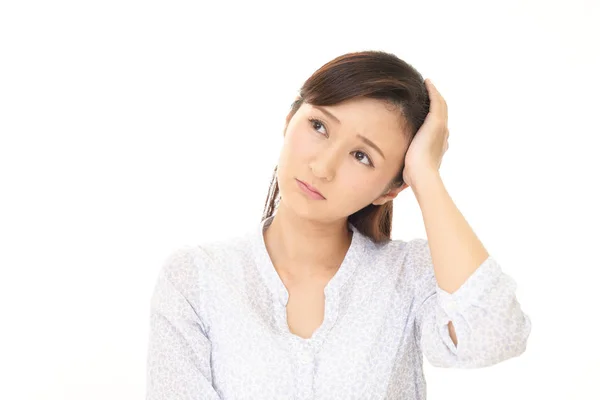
column 309, row 190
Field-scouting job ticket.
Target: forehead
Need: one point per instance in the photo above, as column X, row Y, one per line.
column 379, row 120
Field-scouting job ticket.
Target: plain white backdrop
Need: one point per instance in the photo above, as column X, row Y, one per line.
column 131, row 128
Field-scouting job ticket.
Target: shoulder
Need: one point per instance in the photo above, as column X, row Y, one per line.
column 183, row 267
column 400, row 250
column 191, row 265
column 221, row 253
column 411, row 256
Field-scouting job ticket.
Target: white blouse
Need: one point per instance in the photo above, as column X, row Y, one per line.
column 218, row 324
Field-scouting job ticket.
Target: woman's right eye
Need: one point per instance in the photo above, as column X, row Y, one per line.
column 318, row 124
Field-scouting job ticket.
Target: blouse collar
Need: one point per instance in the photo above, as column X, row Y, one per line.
column 351, row 260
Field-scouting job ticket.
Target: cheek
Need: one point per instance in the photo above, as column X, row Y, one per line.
column 355, row 188
column 295, row 152
column 299, row 144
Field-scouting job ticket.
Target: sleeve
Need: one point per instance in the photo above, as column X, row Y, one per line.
column 487, row 318
column 178, row 359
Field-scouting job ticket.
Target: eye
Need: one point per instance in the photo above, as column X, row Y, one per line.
column 318, row 124
column 364, row 157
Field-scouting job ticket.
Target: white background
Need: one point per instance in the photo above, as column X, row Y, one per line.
column 131, row 128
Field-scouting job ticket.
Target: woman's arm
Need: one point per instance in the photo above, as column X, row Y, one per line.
column 468, row 313
column 178, row 361
column 455, row 249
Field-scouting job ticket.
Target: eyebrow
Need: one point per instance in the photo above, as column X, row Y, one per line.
column 364, row 139
column 370, row 143
column 330, row 115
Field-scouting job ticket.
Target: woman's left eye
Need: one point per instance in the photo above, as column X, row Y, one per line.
column 317, row 124
column 365, row 157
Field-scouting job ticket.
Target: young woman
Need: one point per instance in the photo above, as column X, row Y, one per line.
column 318, row 302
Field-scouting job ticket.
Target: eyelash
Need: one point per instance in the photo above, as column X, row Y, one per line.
column 313, row 120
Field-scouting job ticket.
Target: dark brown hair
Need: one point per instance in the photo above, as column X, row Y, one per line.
column 371, row 74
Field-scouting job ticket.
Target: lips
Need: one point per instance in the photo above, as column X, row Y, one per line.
column 312, row 189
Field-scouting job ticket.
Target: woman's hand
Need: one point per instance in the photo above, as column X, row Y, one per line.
column 424, row 155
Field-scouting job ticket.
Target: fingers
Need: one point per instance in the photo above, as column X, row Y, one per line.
column 438, row 105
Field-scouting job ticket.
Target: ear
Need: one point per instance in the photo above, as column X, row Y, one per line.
column 390, row 195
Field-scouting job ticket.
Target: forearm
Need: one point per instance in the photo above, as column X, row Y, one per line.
column 456, row 252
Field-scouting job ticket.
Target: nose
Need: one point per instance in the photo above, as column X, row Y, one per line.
column 324, row 164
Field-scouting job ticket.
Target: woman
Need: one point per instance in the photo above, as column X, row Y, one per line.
column 318, row 302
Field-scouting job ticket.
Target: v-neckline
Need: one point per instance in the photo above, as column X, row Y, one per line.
column 332, row 289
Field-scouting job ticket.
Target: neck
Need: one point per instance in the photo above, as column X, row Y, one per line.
column 303, row 248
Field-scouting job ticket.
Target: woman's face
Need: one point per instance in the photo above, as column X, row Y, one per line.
column 327, row 147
